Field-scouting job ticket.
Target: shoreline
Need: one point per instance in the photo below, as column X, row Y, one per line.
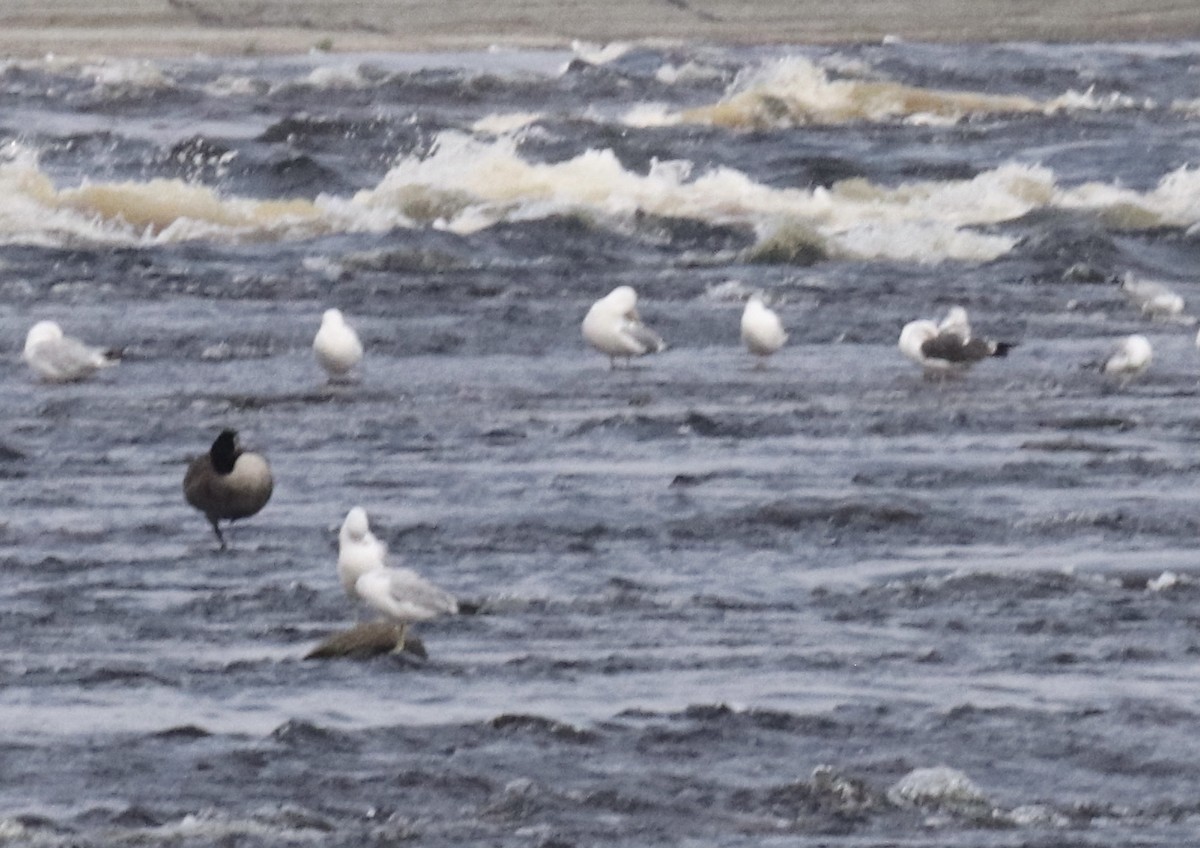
column 182, row 28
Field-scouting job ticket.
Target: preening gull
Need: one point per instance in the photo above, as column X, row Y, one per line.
column 336, row 345
column 1130, row 358
column 1154, row 299
column 948, row 347
column 762, row 331
column 358, row 550
column 227, row 482
column 613, row 327
column 57, row 358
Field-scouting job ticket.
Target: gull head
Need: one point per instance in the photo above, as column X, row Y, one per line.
column 622, row 300
column 41, row 332
column 356, row 527
column 358, row 550
column 915, row 334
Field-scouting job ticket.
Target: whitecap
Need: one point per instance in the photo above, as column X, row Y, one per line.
column 1090, row 101
column 505, row 123
column 118, row 77
column 689, row 73
column 600, row 54
column 331, row 77
column 938, row 786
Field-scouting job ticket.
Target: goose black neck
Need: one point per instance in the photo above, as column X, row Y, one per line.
column 225, row 451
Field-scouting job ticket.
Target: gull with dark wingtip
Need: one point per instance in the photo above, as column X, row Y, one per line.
column 58, row 358
column 613, row 326
column 947, row 348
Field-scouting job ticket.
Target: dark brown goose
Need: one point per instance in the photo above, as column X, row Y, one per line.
column 227, row 483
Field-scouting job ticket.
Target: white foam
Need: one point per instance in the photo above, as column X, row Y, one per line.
column 120, row 76
column 688, row 73
column 466, row 183
column 505, row 123
column 1089, row 101
column 796, row 91
column 331, row 77
column 1175, row 201
column 939, row 786
column 650, row 115
column 600, row 54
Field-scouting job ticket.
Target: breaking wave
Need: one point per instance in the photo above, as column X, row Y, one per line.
column 797, row 92
column 465, row 184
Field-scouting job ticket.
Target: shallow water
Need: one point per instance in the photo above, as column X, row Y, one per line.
column 719, row 604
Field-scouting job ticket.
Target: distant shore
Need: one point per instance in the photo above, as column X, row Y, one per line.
column 162, row 28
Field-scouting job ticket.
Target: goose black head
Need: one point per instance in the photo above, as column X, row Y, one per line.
column 225, row 451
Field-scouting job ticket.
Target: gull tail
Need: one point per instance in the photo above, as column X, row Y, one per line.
column 1002, row 348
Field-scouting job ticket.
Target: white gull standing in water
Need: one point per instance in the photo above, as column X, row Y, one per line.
column 57, row 358
column 613, row 327
column 1129, row 359
column 948, row 347
column 336, row 345
column 762, row 331
column 400, row 594
column 1154, row 299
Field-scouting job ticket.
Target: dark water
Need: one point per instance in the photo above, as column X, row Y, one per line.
column 821, row 603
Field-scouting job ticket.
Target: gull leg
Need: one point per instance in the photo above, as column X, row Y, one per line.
column 401, row 636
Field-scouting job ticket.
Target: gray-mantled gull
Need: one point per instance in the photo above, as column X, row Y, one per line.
column 57, row 358
column 403, row 596
column 1153, row 298
column 1129, row 359
column 613, row 327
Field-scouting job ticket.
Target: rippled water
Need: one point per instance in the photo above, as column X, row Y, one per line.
column 824, row 602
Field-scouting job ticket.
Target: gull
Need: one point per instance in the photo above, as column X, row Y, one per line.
column 358, row 550
column 57, row 358
column 1129, row 359
column 403, row 597
column 336, row 345
column 227, row 482
column 400, row 594
column 1154, row 299
column 762, row 331
column 613, row 327
column 948, row 347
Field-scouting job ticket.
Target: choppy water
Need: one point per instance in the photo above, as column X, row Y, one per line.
column 720, row 606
